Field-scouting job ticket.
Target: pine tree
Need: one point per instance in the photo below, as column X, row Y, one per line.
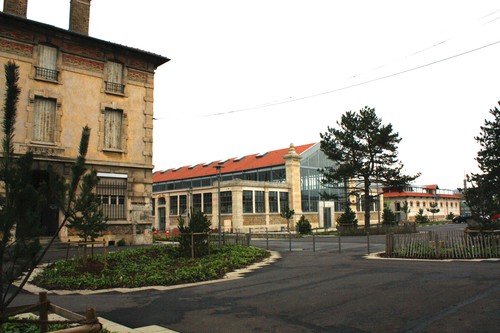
column 433, row 209
column 364, row 150
column 347, row 218
column 388, row 216
column 483, row 197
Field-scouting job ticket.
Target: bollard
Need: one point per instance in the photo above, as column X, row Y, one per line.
column 368, row 241
column 340, row 245
column 43, row 311
column 314, row 243
column 192, row 246
column 267, row 239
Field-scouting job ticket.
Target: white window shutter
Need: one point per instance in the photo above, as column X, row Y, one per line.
column 44, row 119
column 47, row 57
column 115, row 72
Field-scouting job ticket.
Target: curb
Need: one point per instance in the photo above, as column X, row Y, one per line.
column 234, row 275
column 376, row 256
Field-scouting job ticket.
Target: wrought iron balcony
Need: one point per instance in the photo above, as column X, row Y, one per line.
column 116, row 88
column 47, row 74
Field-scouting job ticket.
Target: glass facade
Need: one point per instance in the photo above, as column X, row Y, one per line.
column 273, row 201
column 226, row 202
column 310, row 180
column 247, row 202
column 207, row 203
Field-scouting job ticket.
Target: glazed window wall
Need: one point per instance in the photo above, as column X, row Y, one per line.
column 284, row 200
column 226, row 202
column 273, row 201
column 260, row 205
column 182, row 204
column 207, row 203
column 273, row 174
column 174, row 205
column 197, row 202
column 247, row 202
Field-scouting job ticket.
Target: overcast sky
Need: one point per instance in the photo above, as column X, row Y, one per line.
column 251, row 76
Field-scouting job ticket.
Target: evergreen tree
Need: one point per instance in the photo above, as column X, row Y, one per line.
column 483, row 197
column 287, row 214
column 405, row 209
column 21, row 203
column 420, row 217
column 433, row 209
column 303, row 226
column 347, row 218
column 198, row 223
column 364, row 150
column 388, row 216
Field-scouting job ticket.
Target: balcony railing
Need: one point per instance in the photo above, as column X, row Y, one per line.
column 47, row 74
column 116, row 88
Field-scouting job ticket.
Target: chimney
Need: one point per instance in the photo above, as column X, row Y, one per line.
column 79, row 16
column 15, row 7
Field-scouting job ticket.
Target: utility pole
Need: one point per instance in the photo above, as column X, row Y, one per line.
column 219, row 228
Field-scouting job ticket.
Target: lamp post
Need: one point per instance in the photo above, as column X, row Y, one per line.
column 218, row 168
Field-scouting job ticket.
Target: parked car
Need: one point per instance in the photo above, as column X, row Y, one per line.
column 461, row 219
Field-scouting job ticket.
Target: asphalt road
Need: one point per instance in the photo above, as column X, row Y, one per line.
column 322, row 291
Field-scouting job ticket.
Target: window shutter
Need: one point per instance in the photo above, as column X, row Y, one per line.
column 44, row 119
column 115, row 72
column 113, row 129
column 47, row 57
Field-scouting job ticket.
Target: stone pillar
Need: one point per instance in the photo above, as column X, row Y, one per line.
column 15, row 7
column 237, row 197
column 292, row 167
column 79, row 16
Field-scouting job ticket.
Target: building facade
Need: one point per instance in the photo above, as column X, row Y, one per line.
column 424, row 197
column 68, row 80
column 253, row 191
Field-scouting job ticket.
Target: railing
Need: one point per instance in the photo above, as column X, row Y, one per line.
column 115, row 87
column 47, row 74
column 444, row 245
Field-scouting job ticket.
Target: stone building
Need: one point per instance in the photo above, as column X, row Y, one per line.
column 421, row 197
column 253, row 191
column 68, row 80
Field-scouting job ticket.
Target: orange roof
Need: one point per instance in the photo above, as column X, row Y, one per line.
column 420, row 195
column 248, row 162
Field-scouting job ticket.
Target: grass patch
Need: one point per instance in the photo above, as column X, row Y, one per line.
column 152, row 266
column 34, row 328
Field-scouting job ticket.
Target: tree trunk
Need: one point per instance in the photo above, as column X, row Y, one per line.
column 367, row 202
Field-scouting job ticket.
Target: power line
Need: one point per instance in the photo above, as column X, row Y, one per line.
column 291, row 100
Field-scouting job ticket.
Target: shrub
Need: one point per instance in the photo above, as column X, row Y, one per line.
column 420, row 217
column 347, row 218
column 303, row 226
column 198, row 223
column 450, row 216
column 121, row 242
column 388, row 216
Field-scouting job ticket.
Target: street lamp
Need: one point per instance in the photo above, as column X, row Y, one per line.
column 218, row 168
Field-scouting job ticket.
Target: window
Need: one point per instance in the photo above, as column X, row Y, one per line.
column 174, row 205
column 44, row 119
column 197, row 202
column 247, row 202
column 207, row 203
column 273, row 201
column 153, row 207
column 418, row 204
column 182, row 204
column 411, row 203
column 260, row 205
column 114, row 82
column 113, row 129
column 162, row 220
column 284, row 200
column 226, row 202
column 423, row 203
column 112, row 193
column 47, row 62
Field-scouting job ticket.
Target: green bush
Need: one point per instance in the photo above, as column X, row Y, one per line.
column 199, row 224
column 420, row 217
column 303, row 226
column 450, row 216
column 388, row 216
column 121, row 242
column 347, row 218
